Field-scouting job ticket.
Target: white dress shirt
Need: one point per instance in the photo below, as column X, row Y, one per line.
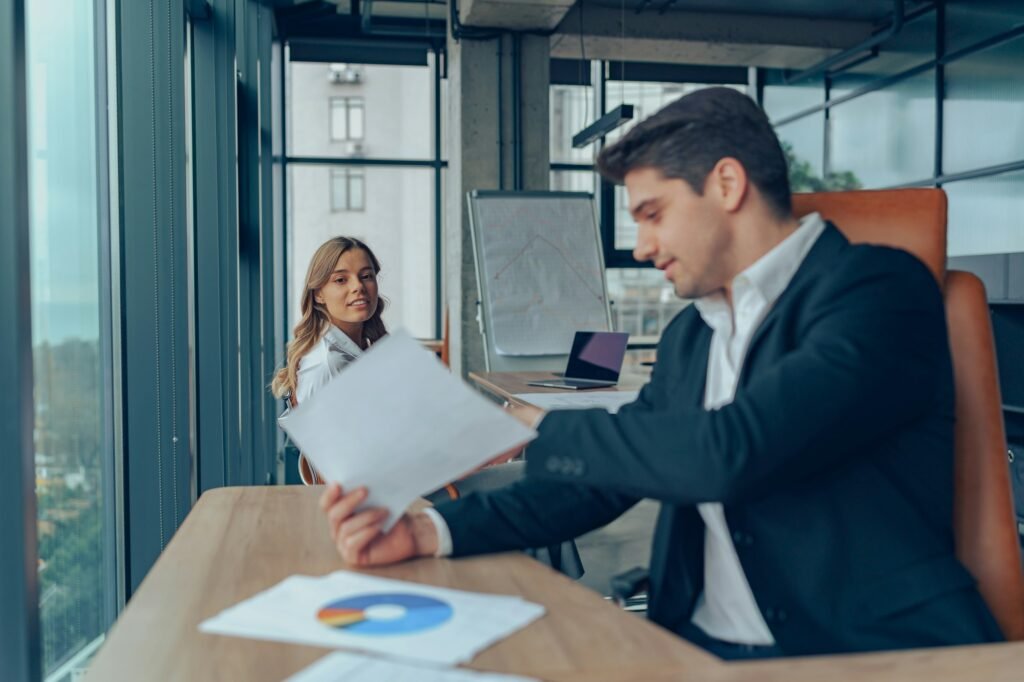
column 726, row 609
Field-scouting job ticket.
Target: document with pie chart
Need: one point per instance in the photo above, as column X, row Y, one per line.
column 392, row 617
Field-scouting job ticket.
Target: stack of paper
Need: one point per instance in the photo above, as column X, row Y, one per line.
column 399, row 423
column 346, row 667
column 392, row 617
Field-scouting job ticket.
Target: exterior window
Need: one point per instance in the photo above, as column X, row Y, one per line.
column 348, row 189
column 346, row 118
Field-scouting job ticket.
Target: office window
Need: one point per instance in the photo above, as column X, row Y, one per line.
column 391, row 205
column 983, row 112
column 643, row 302
column 985, row 215
column 70, row 333
column 572, row 109
column 346, row 118
column 401, row 99
column 780, row 100
column 348, row 189
column 886, row 137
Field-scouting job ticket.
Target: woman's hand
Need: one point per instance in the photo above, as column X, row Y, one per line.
column 358, row 537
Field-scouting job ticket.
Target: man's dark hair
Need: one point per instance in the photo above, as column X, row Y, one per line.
column 689, row 136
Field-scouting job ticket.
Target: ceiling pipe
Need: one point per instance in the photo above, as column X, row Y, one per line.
column 895, row 26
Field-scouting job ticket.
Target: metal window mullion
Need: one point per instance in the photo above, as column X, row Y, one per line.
column 20, row 642
column 152, row 248
column 268, row 283
column 216, row 267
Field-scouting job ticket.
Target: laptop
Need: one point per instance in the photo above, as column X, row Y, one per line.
column 594, row 361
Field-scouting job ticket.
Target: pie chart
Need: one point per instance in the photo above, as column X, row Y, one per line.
column 385, row 613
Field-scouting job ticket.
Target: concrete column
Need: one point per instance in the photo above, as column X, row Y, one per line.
column 492, row 144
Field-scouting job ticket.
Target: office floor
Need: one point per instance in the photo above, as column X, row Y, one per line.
column 618, row 547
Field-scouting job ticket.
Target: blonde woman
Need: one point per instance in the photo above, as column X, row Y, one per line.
column 341, row 317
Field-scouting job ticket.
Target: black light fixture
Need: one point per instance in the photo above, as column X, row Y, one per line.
column 604, row 125
column 620, row 114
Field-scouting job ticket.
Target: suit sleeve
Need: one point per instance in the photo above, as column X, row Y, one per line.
column 534, row 513
column 873, row 356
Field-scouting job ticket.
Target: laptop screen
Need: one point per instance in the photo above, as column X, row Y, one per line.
column 597, row 355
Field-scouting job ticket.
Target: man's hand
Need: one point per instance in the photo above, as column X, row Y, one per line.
column 358, row 537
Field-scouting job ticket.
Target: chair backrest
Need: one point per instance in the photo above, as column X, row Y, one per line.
column 909, row 219
column 983, row 523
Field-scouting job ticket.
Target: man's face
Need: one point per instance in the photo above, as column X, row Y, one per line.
column 681, row 232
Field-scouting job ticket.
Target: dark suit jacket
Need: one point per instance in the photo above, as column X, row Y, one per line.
column 834, row 464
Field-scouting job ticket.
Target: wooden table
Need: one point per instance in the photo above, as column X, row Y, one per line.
column 506, row 385
column 239, row 541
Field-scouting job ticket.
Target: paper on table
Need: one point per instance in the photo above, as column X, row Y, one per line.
column 609, row 400
column 398, row 422
column 436, row 624
column 345, row 667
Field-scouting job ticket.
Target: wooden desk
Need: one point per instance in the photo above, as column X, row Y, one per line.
column 984, row 663
column 239, row 541
column 505, row 385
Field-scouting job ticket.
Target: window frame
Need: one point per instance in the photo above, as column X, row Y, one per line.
column 348, row 103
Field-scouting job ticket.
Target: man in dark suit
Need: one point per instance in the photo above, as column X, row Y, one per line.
column 797, row 428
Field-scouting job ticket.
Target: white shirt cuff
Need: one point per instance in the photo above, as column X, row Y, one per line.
column 444, row 536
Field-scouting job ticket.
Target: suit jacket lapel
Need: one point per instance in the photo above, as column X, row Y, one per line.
column 818, row 259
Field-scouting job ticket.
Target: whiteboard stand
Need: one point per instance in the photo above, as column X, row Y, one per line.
column 540, row 276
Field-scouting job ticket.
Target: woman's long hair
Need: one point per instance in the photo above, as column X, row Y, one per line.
column 315, row 320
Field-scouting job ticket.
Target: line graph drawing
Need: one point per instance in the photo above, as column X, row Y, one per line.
column 541, row 271
column 583, row 280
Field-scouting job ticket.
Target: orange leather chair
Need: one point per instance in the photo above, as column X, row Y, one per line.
column 984, row 524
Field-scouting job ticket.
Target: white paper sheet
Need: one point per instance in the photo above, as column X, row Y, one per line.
column 609, row 400
column 436, row 625
column 346, row 667
column 398, row 422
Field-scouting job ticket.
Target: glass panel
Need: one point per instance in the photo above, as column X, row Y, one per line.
column 355, row 119
column 803, row 142
column 356, row 191
column 886, row 137
column 73, row 452
column 395, row 120
column 397, row 223
column 339, row 119
column 573, row 181
column 986, row 215
column 643, row 302
column 339, row 190
column 783, row 100
column 980, row 88
column 971, row 21
column 572, row 109
column 625, row 226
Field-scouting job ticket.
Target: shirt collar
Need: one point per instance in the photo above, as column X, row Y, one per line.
column 340, row 341
column 769, row 275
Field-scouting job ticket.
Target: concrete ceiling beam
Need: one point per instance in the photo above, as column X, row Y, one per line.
column 515, row 15
column 705, row 38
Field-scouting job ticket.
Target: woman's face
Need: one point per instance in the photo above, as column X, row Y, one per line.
column 350, row 294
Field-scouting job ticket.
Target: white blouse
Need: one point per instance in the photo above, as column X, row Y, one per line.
column 331, row 354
